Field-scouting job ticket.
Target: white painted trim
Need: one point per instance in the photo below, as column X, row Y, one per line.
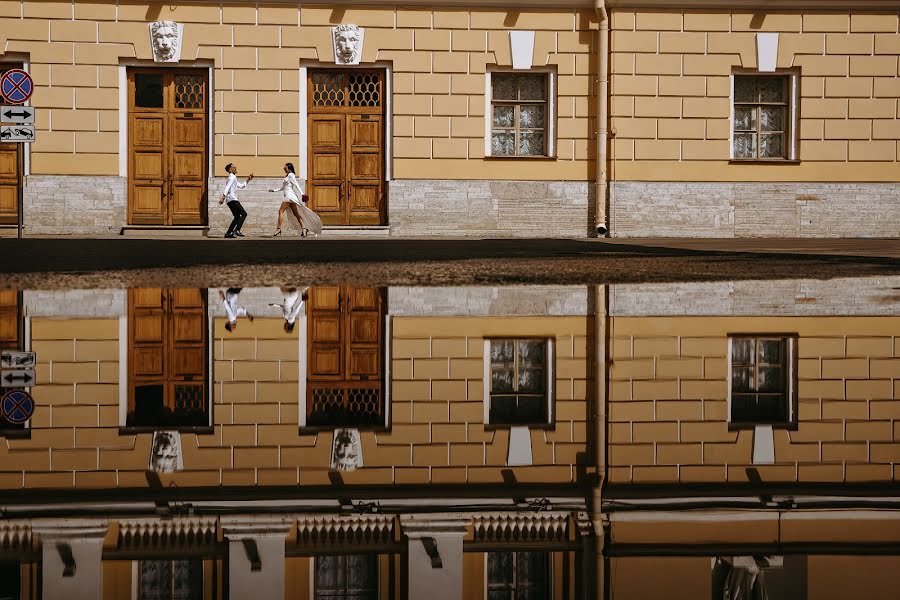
column 303, row 125
column 766, row 52
column 793, row 105
column 302, row 374
column 521, row 45
column 123, row 370
column 654, row 516
column 123, row 122
column 312, row 576
column 795, row 113
column 790, row 368
column 552, row 102
column 730, row 144
column 134, row 579
column 388, row 354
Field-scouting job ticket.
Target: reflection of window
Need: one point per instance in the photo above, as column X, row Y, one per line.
column 519, row 382
column 11, row 327
column 10, row 580
column 762, row 117
column 762, row 379
column 345, row 349
column 519, row 114
column 170, row 580
column 349, row 576
column 168, row 358
column 518, row 575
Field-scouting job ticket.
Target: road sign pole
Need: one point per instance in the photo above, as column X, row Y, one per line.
column 20, row 196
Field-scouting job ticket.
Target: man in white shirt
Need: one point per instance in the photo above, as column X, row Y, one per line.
column 233, row 310
column 229, row 194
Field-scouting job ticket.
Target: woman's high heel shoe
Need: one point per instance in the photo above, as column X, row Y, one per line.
column 303, row 232
column 277, row 233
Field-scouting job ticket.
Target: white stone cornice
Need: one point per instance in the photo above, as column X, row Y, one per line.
column 521, row 526
column 431, row 524
column 15, row 533
column 248, row 526
column 70, row 529
column 154, row 532
column 344, row 528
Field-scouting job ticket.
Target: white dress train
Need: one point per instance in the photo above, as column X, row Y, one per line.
column 292, row 193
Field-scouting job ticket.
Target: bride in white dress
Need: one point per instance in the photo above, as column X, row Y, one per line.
column 309, row 221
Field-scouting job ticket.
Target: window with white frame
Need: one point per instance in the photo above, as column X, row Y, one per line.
column 520, row 114
column 519, row 381
column 763, row 117
column 346, row 576
column 518, row 575
column 762, row 380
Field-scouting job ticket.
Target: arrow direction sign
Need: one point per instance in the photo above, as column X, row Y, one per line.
column 20, row 378
column 19, row 115
column 12, row 359
column 16, row 133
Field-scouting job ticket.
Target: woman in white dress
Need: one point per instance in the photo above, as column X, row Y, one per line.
column 309, row 221
column 291, row 305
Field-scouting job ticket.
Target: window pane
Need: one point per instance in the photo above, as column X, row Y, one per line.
column 742, row 351
column 502, row 352
column 502, row 380
column 741, row 379
column 503, row 144
column 531, row 143
column 743, row 408
column 745, row 145
column 770, row 351
column 771, row 89
column 154, row 579
column 328, row 573
column 744, row 119
column 771, row 118
column 771, row 145
column 770, row 379
column 504, row 86
column 531, row 87
column 530, row 409
column 744, row 89
column 504, row 116
column 148, row 90
column 531, row 381
column 503, row 409
column 531, row 352
column 500, row 568
column 771, row 409
column 361, row 573
column 531, row 116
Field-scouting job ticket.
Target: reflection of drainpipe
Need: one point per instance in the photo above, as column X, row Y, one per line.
column 601, row 187
column 598, row 421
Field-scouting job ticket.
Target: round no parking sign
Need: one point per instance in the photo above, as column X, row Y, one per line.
column 17, row 406
column 16, row 86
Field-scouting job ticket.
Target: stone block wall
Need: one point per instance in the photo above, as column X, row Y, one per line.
column 72, row 204
column 668, row 413
column 553, row 300
column 702, row 209
column 489, row 208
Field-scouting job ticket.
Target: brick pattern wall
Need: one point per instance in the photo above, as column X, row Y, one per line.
column 668, row 413
column 439, row 59
column 437, row 432
column 670, row 91
column 473, row 301
column 93, row 205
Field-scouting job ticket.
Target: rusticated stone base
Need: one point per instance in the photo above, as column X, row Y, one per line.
column 680, row 209
column 74, row 204
column 488, row 208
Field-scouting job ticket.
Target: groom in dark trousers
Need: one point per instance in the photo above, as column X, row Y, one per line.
column 229, row 194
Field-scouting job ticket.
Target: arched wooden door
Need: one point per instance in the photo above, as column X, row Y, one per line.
column 167, row 146
column 346, row 146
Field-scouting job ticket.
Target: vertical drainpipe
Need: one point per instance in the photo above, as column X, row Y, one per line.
column 598, row 420
column 601, row 186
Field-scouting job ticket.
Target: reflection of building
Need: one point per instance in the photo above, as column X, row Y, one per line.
column 461, row 118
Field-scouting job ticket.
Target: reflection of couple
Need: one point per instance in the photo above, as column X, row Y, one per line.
column 291, row 305
column 306, row 218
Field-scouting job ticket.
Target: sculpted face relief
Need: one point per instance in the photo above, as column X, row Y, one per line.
column 348, row 44
column 165, row 41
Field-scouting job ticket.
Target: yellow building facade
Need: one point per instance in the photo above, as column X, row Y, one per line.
column 551, row 119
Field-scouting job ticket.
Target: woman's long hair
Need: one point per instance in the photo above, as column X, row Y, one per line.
column 290, row 167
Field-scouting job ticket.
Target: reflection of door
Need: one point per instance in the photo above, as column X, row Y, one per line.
column 10, row 173
column 345, row 351
column 167, row 146
column 168, row 357
column 346, row 146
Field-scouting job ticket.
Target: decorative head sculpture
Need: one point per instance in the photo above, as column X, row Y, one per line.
column 346, row 452
column 165, row 41
column 348, row 44
column 165, row 452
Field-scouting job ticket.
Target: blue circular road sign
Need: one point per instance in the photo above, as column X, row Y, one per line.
column 16, row 86
column 17, row 406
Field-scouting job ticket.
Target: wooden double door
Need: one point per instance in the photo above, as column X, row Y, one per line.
column 10, row 172
column 167, row 138
column 168, row 357
column 346, row 146
column 345, row 349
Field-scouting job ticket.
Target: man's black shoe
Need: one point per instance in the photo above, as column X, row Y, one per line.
column 229, row 235
column 239, row 234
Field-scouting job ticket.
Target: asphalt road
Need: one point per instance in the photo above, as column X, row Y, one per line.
column 53, row 263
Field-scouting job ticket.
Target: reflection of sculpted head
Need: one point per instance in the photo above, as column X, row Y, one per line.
column 347, row 44
column 346, row 454
column 164, row 39
column 165, row 452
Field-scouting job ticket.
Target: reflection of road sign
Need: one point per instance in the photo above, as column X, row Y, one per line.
column 20, row 115
column 20, row 378
column 16, row 133
column 12, row 359
column 16, row 86
column 17, row 406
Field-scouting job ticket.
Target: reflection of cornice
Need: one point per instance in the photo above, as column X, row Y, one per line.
column 331, row 529
column 761, row 5
column 521, row 527
column 14, row 533
column 156, row 533
column 64, row 529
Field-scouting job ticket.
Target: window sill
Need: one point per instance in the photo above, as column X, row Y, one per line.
column 311, row 429
column 198, row 429
column 548, row 158
column 494, row 427
column 751, row 426
column 763, row 161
